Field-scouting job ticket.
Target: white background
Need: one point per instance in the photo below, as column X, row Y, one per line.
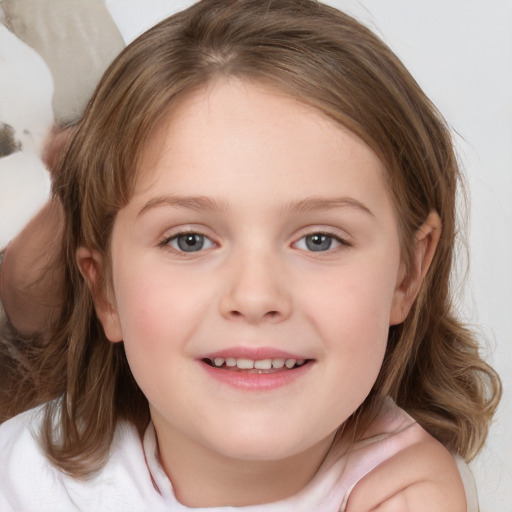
column 460, row 51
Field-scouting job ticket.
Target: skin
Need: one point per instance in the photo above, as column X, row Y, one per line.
column 421, row 478
column 32, row 282
column 267, row 173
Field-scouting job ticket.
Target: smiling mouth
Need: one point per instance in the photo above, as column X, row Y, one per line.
column 256, row 366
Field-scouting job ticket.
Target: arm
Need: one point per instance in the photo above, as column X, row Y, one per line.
column 421, row 478
column 31, row 279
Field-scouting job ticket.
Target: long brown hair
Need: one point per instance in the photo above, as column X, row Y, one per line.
column 324, row 58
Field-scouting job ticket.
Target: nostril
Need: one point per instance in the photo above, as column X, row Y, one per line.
column 269, row 315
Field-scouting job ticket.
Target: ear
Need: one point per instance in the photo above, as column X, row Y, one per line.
column 91, row 267
column 409, row 283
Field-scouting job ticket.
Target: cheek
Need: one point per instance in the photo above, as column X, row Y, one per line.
column 351, row 317
column 146, row 313
column 351, row 313
column 356, row 301
column 158, row 310
column 153, row 340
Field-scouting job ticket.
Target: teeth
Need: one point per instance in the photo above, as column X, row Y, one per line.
column 261, row 364
column 265, row 364
column 245, row 364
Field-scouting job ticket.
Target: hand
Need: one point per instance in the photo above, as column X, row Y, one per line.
column 422, row 478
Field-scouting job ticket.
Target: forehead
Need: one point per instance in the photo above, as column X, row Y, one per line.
column 246, row 130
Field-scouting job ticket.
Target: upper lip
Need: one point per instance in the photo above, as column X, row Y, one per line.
column 256, row 354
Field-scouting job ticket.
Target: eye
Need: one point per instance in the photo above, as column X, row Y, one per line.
column 188, row 242
column 318, row 242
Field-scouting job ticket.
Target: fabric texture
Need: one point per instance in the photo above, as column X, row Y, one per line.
column 134, row 481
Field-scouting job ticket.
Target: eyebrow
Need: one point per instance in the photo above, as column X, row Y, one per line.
column 204, row 203
column 198, row 203
column 313, row 204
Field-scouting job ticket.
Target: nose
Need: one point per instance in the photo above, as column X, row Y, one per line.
column 256, row 290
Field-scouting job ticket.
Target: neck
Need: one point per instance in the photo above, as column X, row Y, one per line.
column 202, row 477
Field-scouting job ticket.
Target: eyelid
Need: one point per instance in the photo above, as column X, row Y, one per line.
column 342, row 239
column 174, row 233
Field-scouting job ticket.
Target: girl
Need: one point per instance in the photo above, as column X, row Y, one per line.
column 259, row 230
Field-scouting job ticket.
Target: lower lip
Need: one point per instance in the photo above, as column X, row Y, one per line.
column 257, row 381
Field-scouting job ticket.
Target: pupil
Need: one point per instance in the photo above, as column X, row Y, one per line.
column 190, row 243
column 318, row 242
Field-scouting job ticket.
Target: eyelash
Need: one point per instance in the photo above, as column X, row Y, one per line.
column 167, row 242
column 342, row 242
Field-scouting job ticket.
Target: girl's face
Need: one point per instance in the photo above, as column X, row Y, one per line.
column 256, row 271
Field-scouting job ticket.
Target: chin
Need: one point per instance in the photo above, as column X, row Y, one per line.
column 259, row 443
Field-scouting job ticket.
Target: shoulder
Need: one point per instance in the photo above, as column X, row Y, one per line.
column 416, row 473
column 30, row 482
column 420, row 478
